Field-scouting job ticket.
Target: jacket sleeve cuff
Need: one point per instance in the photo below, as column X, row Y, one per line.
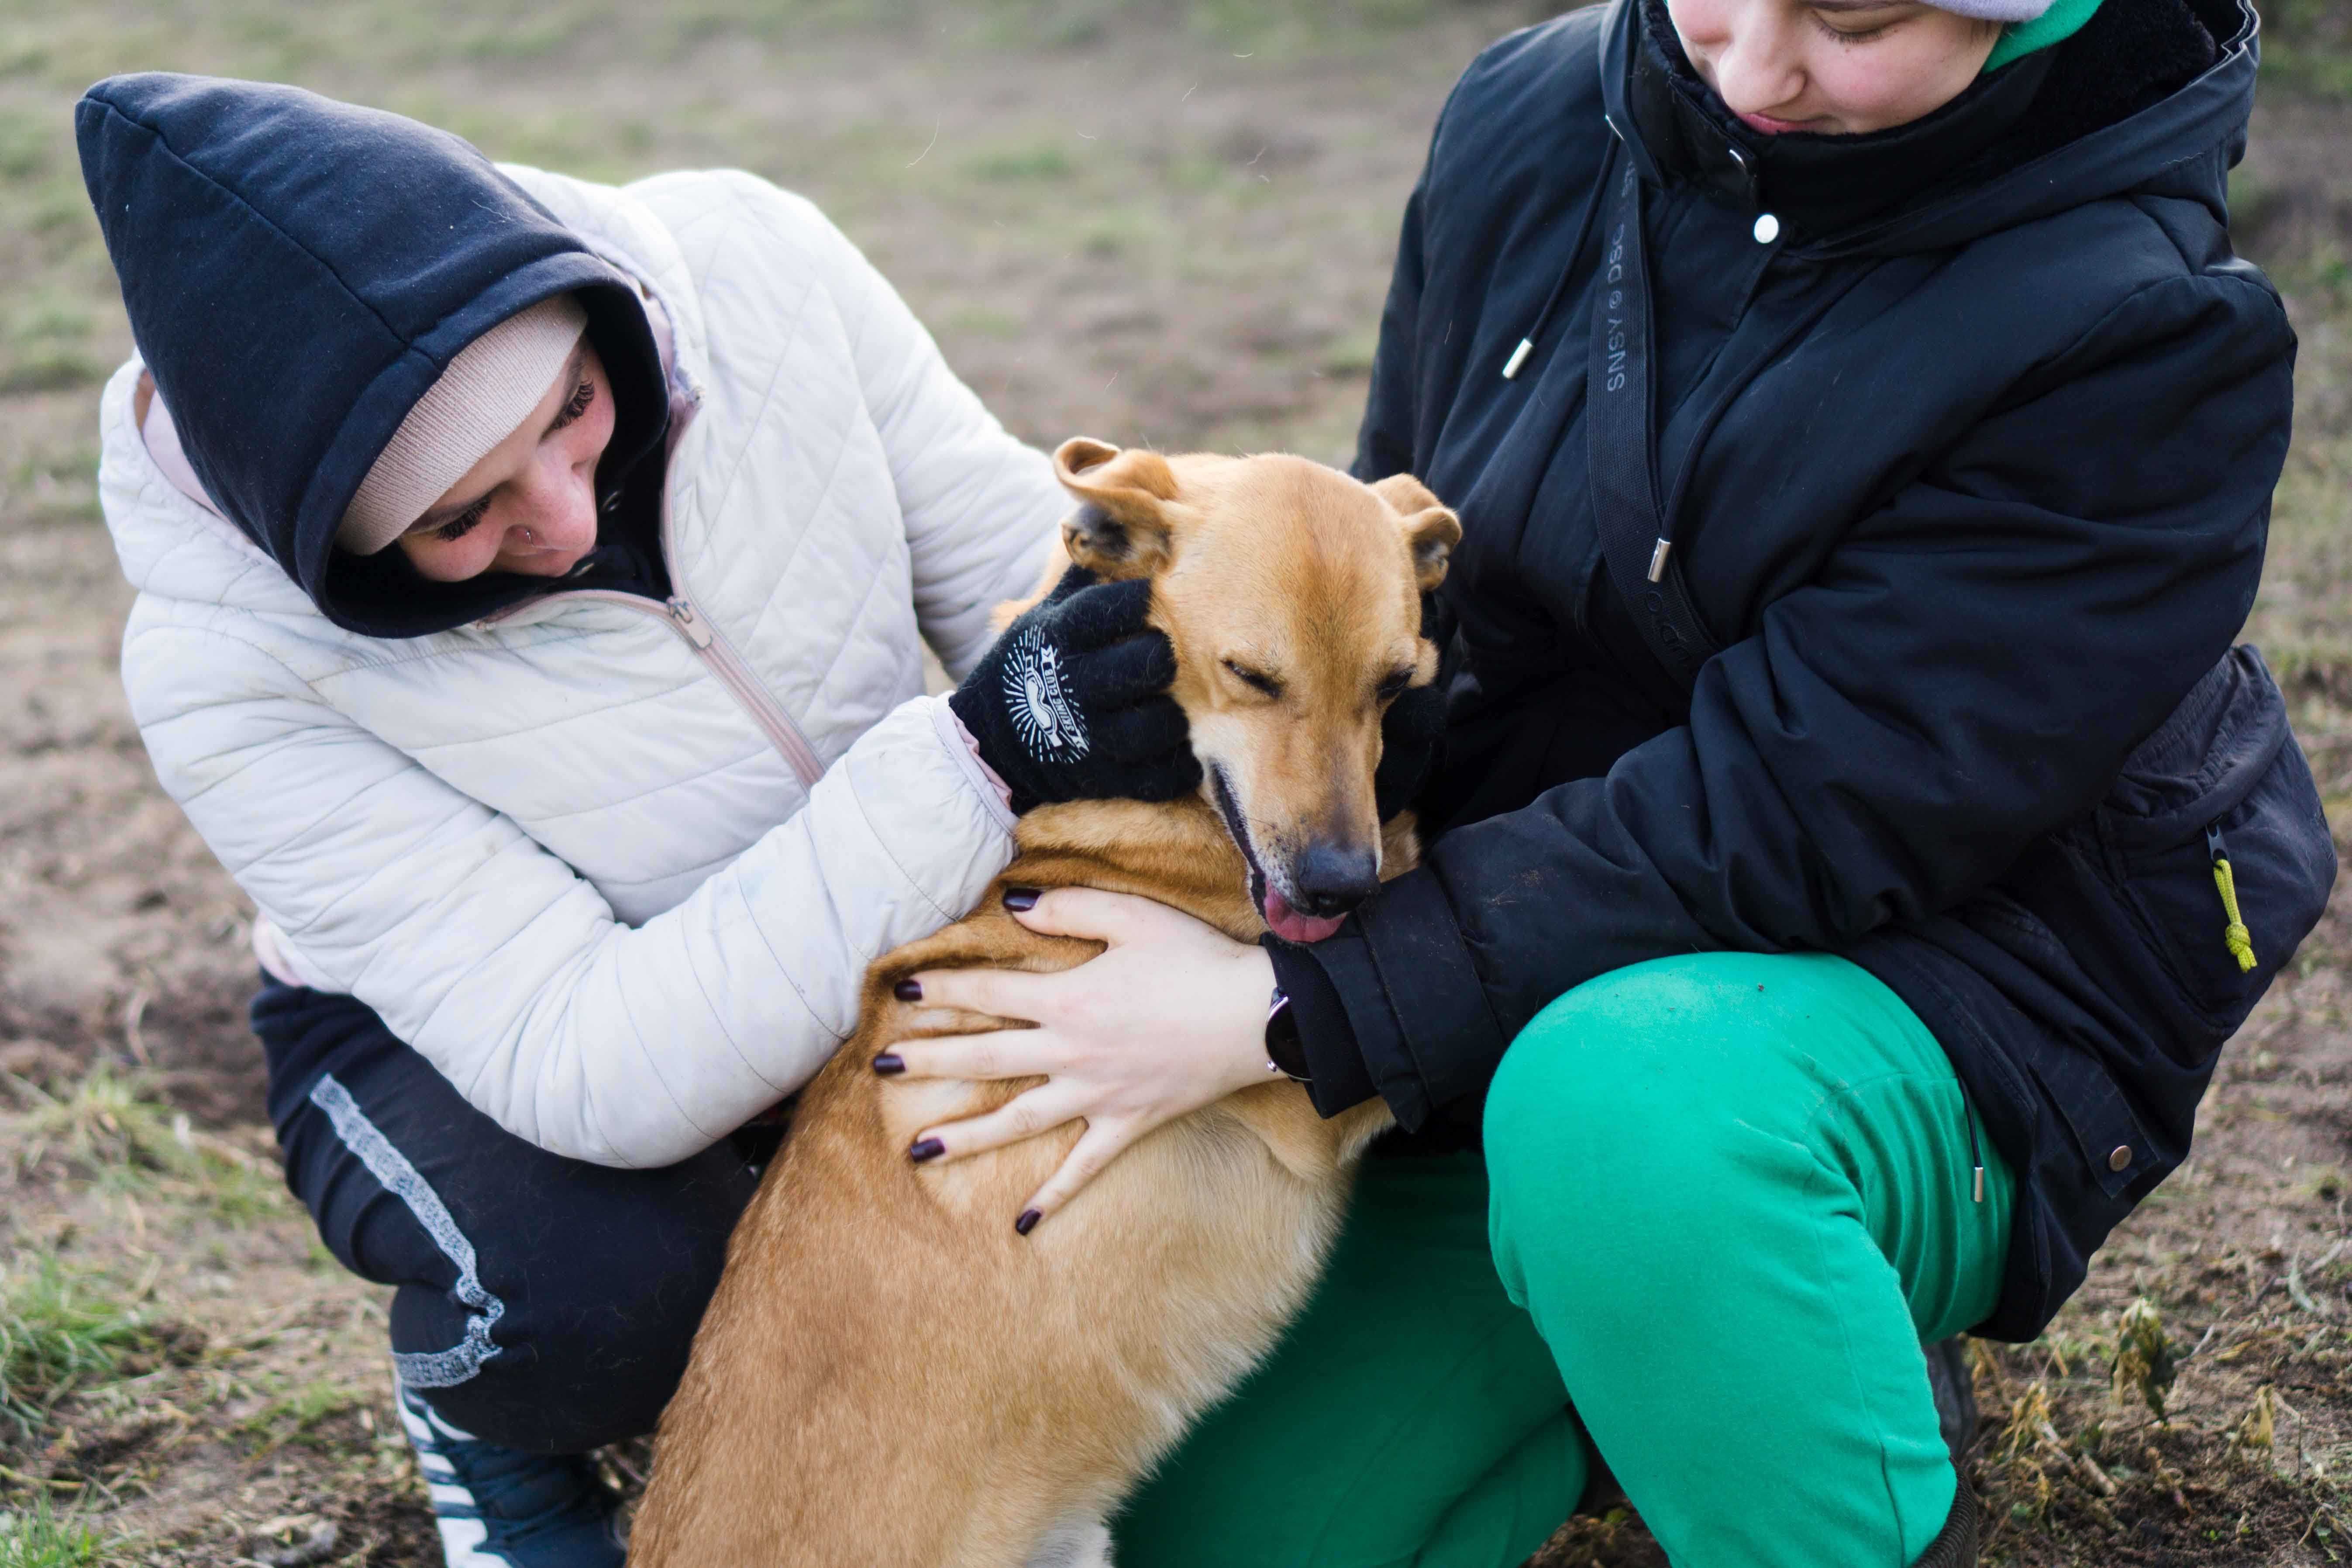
column 1336, row 1078
column 1421, row 1027
column 957, row 741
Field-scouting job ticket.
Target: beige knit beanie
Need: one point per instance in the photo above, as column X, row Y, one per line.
column 488, row 389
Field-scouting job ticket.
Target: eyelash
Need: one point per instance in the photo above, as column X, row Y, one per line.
column 1840, row 36
column 465, row 522
column 575, row 406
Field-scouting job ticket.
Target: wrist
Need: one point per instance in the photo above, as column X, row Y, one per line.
column 1254, row 986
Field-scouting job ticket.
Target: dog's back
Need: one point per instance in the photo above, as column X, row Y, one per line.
column 889, row 1375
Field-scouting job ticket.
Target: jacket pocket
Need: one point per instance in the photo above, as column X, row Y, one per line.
column 2215, row 817
column 2115, row 1150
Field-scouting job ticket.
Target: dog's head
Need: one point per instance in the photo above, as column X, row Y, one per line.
column 1291, row 594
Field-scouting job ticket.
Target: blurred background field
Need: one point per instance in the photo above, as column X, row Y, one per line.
column 1148, row 220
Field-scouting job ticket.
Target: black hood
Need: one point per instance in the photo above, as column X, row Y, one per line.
column 298, row 273
column 2141, row 100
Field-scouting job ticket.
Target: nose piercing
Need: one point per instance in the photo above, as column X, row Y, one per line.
column 529, row 537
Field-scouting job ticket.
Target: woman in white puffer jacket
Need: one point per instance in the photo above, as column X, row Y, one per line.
column 533, row 577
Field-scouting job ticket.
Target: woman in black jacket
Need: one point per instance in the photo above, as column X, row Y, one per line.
column 1858, row 837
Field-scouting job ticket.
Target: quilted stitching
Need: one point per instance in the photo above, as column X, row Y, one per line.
column 701, row 888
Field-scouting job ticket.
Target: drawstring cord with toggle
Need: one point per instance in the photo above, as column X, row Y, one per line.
column 1976, row 1153
column 2239, row 940
column 1511, row 368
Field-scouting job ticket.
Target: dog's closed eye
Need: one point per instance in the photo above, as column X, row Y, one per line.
column 1393, row 687
column 1256, row 679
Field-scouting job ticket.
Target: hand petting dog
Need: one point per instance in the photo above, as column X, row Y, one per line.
column 1072, row 702
column 878, row 1315
column 1205, row 997
column 1199, row 997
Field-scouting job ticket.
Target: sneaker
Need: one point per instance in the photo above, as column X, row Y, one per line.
column 501, row 1508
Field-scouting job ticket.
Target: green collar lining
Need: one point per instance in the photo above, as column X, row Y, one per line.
column 2061, row 22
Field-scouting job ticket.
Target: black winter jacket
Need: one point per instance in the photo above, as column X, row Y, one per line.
column 1971, row 474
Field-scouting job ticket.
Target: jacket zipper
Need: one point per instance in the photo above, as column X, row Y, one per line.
column 719, row 656
column 709, row 644
column 713, row 648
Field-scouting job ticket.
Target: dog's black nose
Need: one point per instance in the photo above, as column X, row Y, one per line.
column 1333, row 878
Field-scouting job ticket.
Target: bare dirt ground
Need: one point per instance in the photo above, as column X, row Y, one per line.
column 1164, row 222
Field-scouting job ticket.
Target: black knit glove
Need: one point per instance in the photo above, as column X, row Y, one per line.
column 1412, row 732
column 1072, row 703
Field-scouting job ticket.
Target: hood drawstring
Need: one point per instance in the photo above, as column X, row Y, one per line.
column 1567, row 272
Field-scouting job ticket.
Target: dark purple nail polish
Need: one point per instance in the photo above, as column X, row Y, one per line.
column 1027, row 1222
column 1018, row 900
column 928, row 1149
column 888, row 1064
column 908, row 991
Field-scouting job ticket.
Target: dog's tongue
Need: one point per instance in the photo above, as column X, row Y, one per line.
column 1290, row 925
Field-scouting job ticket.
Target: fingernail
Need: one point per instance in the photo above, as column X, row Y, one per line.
column 908, row 991
column 928, row 1148
column 1018, row 899
column 888, row 1064
column 1027, row 1222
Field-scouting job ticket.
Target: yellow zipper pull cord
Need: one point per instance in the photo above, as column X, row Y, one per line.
column 2241, row 940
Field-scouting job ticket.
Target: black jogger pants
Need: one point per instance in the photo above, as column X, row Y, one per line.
column 543, row 1304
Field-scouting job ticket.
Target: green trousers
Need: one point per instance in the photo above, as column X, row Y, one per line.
column 1723, row 1198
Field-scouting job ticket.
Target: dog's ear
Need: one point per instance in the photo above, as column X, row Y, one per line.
column 1121, row 526
column 1430, row 529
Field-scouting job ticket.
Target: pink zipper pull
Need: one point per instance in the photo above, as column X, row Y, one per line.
column 690, row 623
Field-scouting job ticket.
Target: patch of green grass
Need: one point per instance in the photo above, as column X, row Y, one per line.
column 2307, row 46
column 48, row 465
column 526, row 34
column 49, row 367
column 108, row 1123
column 112, row 1128
column 26, row 144
column 38, row 1537
column 1017, row 165
column 1352, row 353
column 21, row 55
column 291, row 1418
column 44, row 340
column 243, row 1195
column 1109, row 232
column 2302, row 618
column 987, row 321
column 1275, row 28
column 61, row 1331
column 2301, row 621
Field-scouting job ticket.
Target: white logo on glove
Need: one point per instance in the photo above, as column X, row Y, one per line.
column 1042, row 711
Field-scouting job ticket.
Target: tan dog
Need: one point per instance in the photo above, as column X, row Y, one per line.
column 889, row 1377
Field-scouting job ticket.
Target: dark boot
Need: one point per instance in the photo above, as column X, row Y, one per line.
column 1954, row 1545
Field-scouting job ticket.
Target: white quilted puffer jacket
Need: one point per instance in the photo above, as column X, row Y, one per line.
column 615, row 868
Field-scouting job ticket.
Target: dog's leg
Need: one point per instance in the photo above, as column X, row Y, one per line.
column 1082, row 1543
